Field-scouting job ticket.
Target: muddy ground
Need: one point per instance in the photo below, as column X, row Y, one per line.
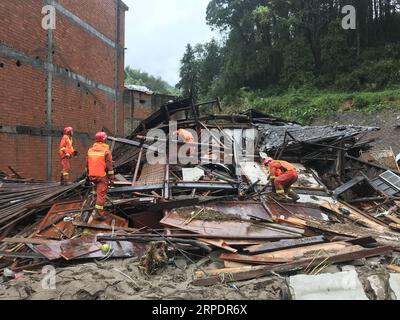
column 121, row 279
column 387, row 120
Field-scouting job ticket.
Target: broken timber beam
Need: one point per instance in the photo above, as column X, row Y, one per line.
column 297, row 265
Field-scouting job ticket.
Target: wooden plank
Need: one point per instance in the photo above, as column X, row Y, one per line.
column 394, row 226
column 348, row 185
column 297, row 265
column 283, row 244
column 218, row 243
column 103, row 227
column 232, row 264
column 393, row 219
column 28, row 240
column 212, row 272
column 393, row 267
column 293, row 254
column 355, row 215
column 24, row 255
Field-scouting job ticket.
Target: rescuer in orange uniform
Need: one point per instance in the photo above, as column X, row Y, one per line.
column 187, row 137
column 66, row 153
column 100, row 172
column 282, row 174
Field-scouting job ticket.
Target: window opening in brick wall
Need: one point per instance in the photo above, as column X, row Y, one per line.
column 18, row 63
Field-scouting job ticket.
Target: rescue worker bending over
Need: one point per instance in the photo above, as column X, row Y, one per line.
column 66, row 153
column 100, row 172
column 282, row 175
column 187, row 137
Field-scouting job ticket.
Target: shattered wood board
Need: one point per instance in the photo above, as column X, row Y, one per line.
column 224, row 229
column 53, row 216
column 151, row 174
column 355, row 216
column 282, row 244
column 254, row 172
column 290, row 255
column 218, row 243
column 192, row 174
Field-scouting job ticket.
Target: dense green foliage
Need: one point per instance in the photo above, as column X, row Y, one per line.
column 305, row 106
column 137, row 77
column 272, row 47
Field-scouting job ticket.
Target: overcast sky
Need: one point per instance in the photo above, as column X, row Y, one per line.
column 157, row 32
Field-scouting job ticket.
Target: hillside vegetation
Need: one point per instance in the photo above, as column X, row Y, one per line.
column 295, row 58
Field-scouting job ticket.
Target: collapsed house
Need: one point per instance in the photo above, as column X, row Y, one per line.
column 348, row 207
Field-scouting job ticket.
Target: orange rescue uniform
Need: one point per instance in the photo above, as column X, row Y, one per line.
column 283, row 174
column 66, row 152
column 186, row 136
column 100, row 167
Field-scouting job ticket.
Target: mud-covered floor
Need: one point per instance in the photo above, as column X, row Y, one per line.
column 122, row 279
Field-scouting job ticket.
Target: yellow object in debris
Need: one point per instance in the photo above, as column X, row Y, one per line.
column 106, row 248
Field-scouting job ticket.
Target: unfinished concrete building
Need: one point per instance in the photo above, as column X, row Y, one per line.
column 49, row 79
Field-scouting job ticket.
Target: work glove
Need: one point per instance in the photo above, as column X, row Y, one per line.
column 67, row 155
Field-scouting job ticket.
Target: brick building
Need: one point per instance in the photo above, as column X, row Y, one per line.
column 49, row 79
column 139, row 103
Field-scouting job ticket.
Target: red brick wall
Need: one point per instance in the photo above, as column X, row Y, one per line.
column 22, row 94
column 23, row 88
column 24, row 153
column 99, row 14
column 87, row 56
column 24, row 34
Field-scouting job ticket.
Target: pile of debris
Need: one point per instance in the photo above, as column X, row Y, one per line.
column 348, row 209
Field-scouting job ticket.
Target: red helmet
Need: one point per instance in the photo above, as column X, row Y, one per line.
column 101, row 137
column 68, row 130
column 267, row 161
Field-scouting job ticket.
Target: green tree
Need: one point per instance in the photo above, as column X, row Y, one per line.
column 155, row 84
column 189, row 73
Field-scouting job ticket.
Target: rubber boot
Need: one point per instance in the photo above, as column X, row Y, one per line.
column 100, row 215
column 62, row 180
column 293, row 195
